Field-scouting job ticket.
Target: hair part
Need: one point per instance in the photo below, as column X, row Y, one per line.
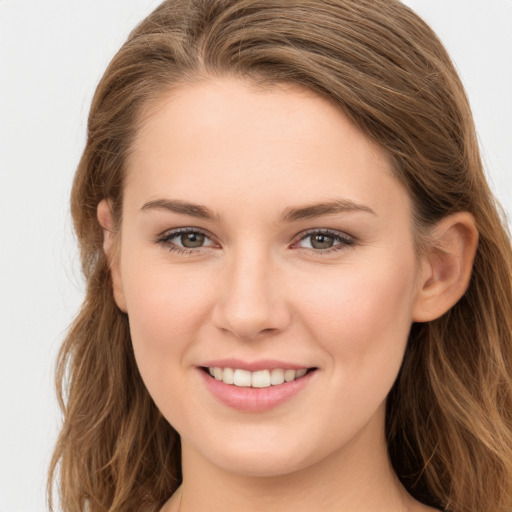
column 449, row 414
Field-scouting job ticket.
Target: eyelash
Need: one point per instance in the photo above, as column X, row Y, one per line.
column 342, row 240
column 165, row 240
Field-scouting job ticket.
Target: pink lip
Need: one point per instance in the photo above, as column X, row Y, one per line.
column 254, row 399
column 252, row 366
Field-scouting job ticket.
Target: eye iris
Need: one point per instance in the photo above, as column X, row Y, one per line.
column 192, row 240
column 322, row 241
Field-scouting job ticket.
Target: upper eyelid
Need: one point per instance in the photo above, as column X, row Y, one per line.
column 328, row 231
column 169, row 233
column 188, row 229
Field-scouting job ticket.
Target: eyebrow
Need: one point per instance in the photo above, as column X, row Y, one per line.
column 193, row 210
column 290, row 214
column 319, row 209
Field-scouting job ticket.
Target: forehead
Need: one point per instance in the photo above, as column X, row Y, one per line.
column 224, row 139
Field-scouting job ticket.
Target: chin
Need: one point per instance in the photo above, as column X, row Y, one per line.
column 260, row 463
column 256, row 452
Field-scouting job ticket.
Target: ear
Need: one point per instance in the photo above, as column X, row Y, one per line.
column 110, row 248
column 447, row 266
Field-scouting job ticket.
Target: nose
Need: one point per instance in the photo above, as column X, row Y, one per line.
column 251, row 301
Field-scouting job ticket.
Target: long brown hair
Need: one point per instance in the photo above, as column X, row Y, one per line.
column 449, row 414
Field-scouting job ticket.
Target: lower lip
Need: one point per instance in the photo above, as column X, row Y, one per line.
column 255, row 399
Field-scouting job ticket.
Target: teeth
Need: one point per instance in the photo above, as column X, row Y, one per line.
column 289, row 375
column 276, row 377
column 241, row 378
column 228, row 376
column 259, row 379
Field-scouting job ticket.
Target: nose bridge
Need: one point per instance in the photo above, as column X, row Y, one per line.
column 251, row 301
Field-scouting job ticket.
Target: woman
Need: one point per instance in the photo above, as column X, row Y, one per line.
column 298, row 282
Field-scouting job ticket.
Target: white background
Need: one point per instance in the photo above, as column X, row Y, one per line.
column 52, row 54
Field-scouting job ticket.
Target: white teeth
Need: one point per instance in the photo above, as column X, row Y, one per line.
column 258, row 379
column 242, row 378
column 276, row 377
column 289, row 375
column 229, row 376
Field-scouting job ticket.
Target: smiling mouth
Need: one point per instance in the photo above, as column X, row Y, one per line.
column 257, row 379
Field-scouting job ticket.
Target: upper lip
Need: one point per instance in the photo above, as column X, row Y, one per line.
column 253, row 366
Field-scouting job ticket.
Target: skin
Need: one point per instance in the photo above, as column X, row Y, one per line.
column 258, row 289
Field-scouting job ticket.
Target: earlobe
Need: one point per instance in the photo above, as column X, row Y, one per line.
column 447, row 266
column 106, row 220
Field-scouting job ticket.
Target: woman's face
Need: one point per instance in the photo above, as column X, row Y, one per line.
column 263, row 233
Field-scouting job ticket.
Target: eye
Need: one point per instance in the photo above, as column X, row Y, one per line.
column 191, row 240
column 325, row 241
column 185, row 240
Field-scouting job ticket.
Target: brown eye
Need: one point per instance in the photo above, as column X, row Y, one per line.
column 186, row 241
column 192, row 240
column 322, row 241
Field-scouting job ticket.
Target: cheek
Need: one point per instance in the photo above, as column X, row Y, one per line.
column 362, row 316
column 166, row 308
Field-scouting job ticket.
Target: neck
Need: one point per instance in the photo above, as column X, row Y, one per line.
column 356, row 478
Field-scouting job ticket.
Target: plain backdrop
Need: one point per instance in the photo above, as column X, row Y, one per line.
column 52, row 54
